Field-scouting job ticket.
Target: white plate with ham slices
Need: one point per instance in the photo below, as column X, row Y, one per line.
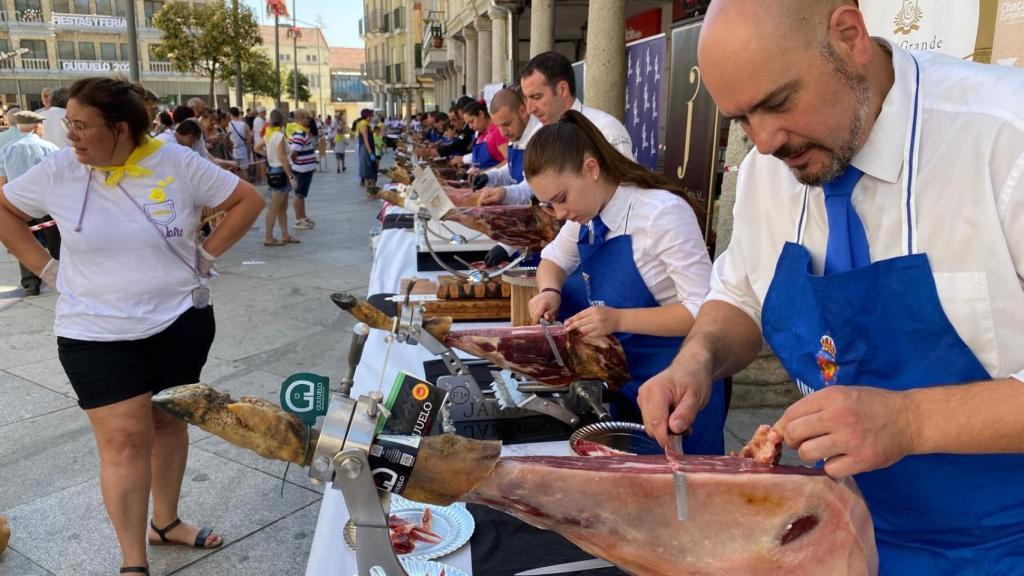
column 423, row 531
column 447, row 528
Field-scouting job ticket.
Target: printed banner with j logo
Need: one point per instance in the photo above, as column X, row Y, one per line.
column 645, row 68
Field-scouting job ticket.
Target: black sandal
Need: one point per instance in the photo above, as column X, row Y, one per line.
column 201, row 537
column 135, row 570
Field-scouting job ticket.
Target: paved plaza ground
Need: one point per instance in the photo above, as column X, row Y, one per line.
column 273, row 319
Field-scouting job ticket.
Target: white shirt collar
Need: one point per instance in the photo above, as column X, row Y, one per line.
column 614, row 212
column 882, row 153
column 577, row 105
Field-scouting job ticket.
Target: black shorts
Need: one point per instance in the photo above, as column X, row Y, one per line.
column 103, row 373
column 302, row 182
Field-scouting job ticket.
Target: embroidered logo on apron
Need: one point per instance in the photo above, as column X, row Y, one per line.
column 826, row 358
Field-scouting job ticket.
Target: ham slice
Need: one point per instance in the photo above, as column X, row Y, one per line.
column 524, row 350
column 746, row 518
column 760, row 449
column 522, row 225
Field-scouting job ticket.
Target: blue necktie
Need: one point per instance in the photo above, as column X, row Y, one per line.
column 847, row 242
column 600, row 230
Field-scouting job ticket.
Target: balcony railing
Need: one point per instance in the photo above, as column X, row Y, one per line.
column 161, row 67
column 29, row 17
column 35, row 63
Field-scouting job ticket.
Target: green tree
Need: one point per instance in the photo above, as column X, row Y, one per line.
column 206, row 37
column 304, row 94
column 258, row 76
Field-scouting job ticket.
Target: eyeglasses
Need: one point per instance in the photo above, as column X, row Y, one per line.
column 74, row 126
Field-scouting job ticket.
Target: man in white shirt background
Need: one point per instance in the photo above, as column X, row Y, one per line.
column 548, row 85
column 879, row 248
column 53, row 127
column 45, row 96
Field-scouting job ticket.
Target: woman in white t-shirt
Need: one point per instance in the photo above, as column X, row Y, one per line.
column 280, row 180
column 133, row 316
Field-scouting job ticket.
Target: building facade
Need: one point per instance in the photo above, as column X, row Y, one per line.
column 348, row 92
column 69, row 39
column 393, row 33
column 309, row 54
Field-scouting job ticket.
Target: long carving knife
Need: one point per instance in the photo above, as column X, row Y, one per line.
column 674, row 455
column 551, row 342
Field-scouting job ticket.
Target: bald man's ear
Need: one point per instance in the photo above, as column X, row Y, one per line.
column 850, row 35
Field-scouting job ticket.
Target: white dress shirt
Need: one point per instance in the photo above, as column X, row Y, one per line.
column 969, row 203
column 668, row 247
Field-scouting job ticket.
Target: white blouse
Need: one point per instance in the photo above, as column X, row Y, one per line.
column 668, row 247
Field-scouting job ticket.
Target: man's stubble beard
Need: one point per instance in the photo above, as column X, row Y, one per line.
column 839, row 158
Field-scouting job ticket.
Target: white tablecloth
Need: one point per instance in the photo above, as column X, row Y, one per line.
column 395, row 259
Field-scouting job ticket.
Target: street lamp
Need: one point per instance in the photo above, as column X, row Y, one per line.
column 8, row 56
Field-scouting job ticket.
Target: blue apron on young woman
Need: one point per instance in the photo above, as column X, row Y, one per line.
column 482, row 158
column 882, row 324
column 615, row 279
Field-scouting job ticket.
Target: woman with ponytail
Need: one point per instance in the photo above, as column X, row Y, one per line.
column 491, row 148
column 630, row 260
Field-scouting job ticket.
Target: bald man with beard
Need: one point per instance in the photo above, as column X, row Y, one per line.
column 879, row 249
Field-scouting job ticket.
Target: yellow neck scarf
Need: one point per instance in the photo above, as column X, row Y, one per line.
column 131, row 166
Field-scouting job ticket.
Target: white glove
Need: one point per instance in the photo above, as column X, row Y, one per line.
column 204, row 262
column 49, row 273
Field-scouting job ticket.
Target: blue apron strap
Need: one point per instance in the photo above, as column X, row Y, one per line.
column 911, row 160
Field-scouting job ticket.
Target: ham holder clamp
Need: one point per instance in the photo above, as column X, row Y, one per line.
column 527, row 380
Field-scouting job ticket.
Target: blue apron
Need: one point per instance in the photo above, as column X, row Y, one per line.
column 515, row 163
column 616, row 280
column 482, row 158
column 882, row 325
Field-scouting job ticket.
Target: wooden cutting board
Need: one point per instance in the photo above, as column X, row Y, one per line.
column 468, row 309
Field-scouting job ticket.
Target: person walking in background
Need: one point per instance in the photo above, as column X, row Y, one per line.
column 326, row 135
column 259, row 124
column 303, row 163
column 134, row 314
column 45, row 96
column 280, row 180
column 16, row 159
column 367, row 150
column 241, row 142
column 53, row 127
column 340, row 142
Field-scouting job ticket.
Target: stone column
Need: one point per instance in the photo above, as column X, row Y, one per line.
column 472, row 58
column 421, row 106
column 483, row 59
column 542, row 26
column 606, row 56
column 499, row 45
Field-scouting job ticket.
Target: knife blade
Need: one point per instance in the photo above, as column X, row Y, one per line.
column 592, row 564
column 674, row 455
column 551, row 342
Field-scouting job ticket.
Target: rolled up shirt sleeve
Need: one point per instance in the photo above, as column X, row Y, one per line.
column 676, row 240
column 518, row 194
column 29, row 191
column 563, row 250
column 730, row 274
column 498, row 176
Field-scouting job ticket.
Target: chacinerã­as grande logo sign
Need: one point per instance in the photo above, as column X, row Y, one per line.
column 908, row 17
